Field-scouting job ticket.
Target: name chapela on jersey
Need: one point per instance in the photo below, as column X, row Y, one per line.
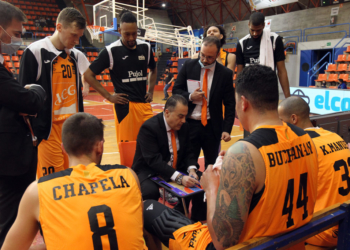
column 78, row 189
column 288, row 155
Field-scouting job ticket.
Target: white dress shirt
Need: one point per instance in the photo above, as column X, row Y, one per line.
column 197, row 112
column 170, row 163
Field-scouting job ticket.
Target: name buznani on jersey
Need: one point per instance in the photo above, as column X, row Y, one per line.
column 142, row 58
column 135, row 76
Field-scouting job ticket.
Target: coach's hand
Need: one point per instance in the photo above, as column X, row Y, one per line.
column 225, row 136
column 197, row 95
column 188, row 181
column 118, row 98
column 149, row 97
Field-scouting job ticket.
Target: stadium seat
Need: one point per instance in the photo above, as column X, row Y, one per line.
column 109, row 84
column 235, row 77
column 331, row 67
column 175, row 76
column 107, row 71
column 127, row 152
column 92, row 59
column 106, row 78
column 19, row 52
column 15, row 58
column 342, row 67
column 175, row 64
column 156, row 59
column 46, row 29
column 30, row 23
column 17, row 64
column 99, row 78
column 89, row 53
column 348, row 49
column 333, row 87
column 9, row 65
column 7, row 58
column 236, row 69
column 312, row 86
column 52, row 29
column 345, row 77
column 341, row 58
column 332, row 78
column 321, row 77
column 95, row 54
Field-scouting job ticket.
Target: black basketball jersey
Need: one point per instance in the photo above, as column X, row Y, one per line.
column 128, row 67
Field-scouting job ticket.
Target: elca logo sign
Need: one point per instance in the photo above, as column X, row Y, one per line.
column 326, row 102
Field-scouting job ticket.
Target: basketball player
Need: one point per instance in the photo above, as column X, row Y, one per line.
column 276, row 164
column 54, row 64
column 333, row 160
column 88, row 206
column 224, row 58
column 127, row 60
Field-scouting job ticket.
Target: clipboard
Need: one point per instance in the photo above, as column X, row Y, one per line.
column 192, row 85
column 176, row 189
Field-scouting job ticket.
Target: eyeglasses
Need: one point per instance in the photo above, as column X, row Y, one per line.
column 208, row 58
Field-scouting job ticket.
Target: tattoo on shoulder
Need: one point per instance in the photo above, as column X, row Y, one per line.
column 237, row 185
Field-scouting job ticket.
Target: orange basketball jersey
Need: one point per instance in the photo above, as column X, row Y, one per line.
column 64, row 91
column 289, row 195
column 333, row 178
column 91, row 207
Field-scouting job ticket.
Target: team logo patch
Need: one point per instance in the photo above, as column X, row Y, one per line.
column 142, row 58
column 150, row 207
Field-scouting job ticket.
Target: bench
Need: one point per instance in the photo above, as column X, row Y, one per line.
column 322, row 220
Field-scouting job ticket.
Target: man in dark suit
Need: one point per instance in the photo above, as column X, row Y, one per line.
column 205, row 114
column 18, row 155
column 154, row 155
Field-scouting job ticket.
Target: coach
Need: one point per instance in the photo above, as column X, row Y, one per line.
column 18, row 155
column 205, row 115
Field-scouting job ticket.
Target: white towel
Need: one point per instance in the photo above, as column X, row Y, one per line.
column 217, row 165
column 266, row 50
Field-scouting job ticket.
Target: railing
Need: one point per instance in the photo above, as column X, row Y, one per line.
column 333, row 25
column 331, row 32
column 309, row 80
column 299, row 37
column 314, row 70
column 334, row 54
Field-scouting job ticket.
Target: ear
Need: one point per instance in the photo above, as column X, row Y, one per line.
column 221, row 36
column 245, row 103
column 119, row 30
column 59, row 27
column 99, row 147
column 294, row 119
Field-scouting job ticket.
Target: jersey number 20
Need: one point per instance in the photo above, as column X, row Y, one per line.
column 301, row 202
column 98, row 231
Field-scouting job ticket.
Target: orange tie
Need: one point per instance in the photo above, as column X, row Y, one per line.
column 204, row 103
column 173, row 144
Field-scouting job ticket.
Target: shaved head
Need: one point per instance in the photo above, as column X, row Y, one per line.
column 294, row 107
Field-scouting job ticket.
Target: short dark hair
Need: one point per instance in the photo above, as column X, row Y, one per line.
column 259, row 85
column 173, row 100
column 210, row 40
column 8, row 12
column 295, row 105
column 80, row 132
column 341, row 80
column 257, row 18
column 126, row 16
column 69, row 15
column 222, row 32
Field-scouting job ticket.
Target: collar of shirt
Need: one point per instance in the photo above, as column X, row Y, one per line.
column 1, row 59
column 168, row 128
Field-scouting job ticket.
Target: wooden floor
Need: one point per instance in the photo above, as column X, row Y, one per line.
column 97, row 105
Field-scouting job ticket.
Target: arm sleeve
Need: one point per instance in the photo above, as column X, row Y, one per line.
column 279, row 50
column 239, row 55
column 13, row 96
column 180, row 86
column 149, row 145
column 101, row 62
column 152, row 63
column 83, row 63
column 28, row 70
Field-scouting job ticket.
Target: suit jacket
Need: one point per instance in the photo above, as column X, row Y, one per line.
column 221, row 91
column 17, row 153
column 152, row 150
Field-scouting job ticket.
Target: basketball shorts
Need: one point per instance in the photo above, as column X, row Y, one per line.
column 51, row 158
column 129, row 119
column 328, row 238
column 175, row 230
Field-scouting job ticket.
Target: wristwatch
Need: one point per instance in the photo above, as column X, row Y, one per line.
column 179, row 179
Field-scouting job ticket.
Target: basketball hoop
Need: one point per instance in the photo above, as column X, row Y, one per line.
column 94, row 31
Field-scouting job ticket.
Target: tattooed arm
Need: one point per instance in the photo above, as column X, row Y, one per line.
column 228, row 204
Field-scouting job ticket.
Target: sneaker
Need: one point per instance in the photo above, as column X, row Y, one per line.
column 169, row 197
column 165, row 99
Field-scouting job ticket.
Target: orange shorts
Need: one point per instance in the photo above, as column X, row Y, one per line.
column 128, row 128
column 328, row 238
column 194, row 236
column 51, row 158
